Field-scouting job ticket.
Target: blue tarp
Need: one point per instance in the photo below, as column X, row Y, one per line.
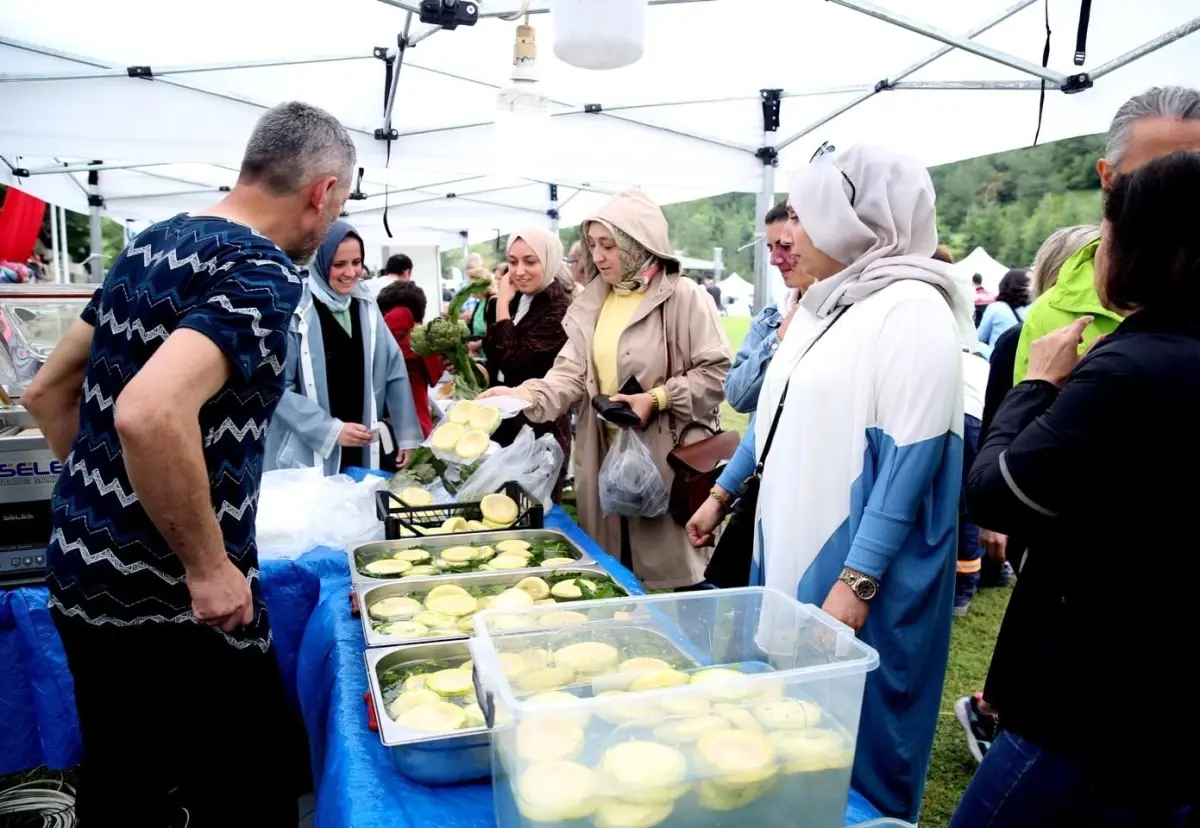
column 38, row 725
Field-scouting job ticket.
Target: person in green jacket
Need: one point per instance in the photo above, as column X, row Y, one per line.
column 1158, row 122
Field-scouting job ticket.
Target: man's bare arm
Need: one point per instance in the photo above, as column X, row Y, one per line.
column 54, row 395
column 158, row 421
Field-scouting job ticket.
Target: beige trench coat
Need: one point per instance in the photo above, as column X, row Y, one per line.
column 676, row 314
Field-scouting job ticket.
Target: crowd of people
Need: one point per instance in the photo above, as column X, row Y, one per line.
column 910, row 432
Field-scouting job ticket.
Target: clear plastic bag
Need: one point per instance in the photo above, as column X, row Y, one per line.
column 630, row 484
column 532, row 463
column 299, row 510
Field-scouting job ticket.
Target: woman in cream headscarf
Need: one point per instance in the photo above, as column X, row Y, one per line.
column 639, row 321
column 858, row 509
column 524, row 327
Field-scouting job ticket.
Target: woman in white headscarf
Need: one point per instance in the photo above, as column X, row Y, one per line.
column 525, row 328
column 345, row 373
column 859, row 500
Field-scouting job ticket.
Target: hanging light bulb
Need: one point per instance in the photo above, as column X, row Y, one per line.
column 521, row 97
column 522, row 111
column 599, row 34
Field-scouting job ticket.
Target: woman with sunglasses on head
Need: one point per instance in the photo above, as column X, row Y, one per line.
column 860, row 442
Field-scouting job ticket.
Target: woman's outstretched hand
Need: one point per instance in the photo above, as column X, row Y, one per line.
column 496, row 391
column 1054, row 356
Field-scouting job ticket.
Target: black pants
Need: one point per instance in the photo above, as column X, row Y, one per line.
column 179, row 729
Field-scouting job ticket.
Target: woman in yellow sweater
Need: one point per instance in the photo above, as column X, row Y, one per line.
column 641, row 320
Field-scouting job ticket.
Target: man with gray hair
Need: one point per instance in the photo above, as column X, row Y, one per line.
column 157, row 401
column 1155, row 123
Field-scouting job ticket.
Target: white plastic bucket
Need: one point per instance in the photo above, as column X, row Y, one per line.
column 599, row 34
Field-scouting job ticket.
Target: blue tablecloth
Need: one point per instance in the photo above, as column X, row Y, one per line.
column 357, row 786
column 38, row 725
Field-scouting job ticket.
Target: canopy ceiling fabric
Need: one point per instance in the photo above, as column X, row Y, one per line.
column 722, row 52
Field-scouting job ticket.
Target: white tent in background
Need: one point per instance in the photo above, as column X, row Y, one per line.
column 737, row 295
column 981, row 262
column 115, row 81
column 735, row 285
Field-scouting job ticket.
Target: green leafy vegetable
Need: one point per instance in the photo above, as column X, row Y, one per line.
column 447, row 336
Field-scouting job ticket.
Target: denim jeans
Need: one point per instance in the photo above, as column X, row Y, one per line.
column 1021, row 785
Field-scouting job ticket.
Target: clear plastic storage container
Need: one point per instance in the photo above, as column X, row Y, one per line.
column 724, row 707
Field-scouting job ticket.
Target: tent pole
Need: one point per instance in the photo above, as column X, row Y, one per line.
column 74, row 168
column 903, row 73
column 54, row 243
column 63, row 248
column 95, row 202
column 1146, row 48
column 964, row 43
column 534, row 8
column 769, row 155
column 152, row 72
column 552, row 213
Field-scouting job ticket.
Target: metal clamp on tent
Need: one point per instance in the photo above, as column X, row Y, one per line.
column 449, row 14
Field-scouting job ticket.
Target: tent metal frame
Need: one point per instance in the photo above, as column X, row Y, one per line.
column 767, row 152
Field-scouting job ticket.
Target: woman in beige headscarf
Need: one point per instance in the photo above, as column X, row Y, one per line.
column 639, row 321
column 525, row 330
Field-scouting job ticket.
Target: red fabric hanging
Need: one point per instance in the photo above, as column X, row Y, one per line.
column 20, row 220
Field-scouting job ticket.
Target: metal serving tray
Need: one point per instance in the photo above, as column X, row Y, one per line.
column 430, row 759
column 367, row 594
column 385, row 549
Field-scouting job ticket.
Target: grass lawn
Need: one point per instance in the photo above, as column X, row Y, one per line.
column 970, row 653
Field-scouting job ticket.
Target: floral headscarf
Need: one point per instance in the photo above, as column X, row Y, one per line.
column 638, row 265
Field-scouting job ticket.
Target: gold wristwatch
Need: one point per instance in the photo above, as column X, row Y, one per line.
column 864, row 586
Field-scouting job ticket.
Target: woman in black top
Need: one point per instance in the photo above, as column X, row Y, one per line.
column 1070, row 631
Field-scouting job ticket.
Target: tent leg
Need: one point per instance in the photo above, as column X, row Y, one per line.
column 553, row 211
column 95, row 202
column 771, row 99
column 54, row 243
column 64, row 249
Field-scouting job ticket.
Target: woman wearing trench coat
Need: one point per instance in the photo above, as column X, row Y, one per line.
column 640, row 320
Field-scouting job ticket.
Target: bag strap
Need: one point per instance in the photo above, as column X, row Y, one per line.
column 762, row 461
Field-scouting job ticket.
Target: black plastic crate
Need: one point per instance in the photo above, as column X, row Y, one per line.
column 395, row 514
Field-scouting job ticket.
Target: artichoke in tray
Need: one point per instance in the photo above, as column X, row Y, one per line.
column 447, row 337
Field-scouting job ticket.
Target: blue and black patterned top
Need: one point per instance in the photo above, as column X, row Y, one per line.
column 108, row 563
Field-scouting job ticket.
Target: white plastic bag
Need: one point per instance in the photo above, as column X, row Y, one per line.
column 299, row 509
column 534, row 464
column 630, row 484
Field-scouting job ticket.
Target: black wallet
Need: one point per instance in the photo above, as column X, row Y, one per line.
column 619, row 413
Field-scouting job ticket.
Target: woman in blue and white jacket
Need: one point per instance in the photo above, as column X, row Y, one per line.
column 858, row 508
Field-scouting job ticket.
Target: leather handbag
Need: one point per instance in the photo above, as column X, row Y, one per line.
column 697, row 466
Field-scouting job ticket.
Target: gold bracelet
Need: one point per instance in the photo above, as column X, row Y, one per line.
column 721, row 497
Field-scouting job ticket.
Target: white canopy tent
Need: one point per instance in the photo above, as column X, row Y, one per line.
column 115, row 81
column 981, row 262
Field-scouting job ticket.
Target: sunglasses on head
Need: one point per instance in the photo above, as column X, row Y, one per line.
column 828, row 149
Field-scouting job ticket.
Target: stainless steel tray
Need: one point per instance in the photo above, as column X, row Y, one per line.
column 367, row 594
column 430, row 759
column 385, row 549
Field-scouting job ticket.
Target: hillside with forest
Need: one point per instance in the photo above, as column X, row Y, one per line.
column 1007, row 203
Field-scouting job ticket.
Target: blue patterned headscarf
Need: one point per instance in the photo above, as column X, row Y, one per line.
column 318, row 271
